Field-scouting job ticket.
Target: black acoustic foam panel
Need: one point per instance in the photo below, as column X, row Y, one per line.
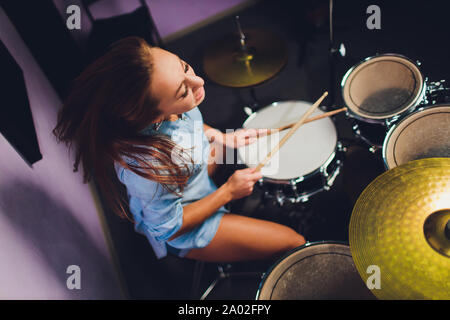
column 16, row 122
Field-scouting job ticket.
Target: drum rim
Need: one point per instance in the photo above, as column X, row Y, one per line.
column 293, row 181
column 420, row 96
column 316, row 171
column 290, row 252
column 398, row 124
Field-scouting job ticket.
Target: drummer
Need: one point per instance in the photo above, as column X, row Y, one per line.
column 135, row 110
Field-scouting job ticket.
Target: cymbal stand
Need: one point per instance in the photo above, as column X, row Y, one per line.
column 333, row 53
column 244, row 50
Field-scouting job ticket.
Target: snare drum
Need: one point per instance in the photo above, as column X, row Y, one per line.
column 378, row 90
column 306, row 164
column 314, row 271
column 422, row 134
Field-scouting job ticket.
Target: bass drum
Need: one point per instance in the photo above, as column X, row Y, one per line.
column 422, row 134
column 314, row 271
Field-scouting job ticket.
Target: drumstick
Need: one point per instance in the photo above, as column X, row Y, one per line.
column 321, row 116
column 291, row 132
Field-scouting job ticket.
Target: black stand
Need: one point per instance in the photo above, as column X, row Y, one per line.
column 223, row 273
column 333, row 53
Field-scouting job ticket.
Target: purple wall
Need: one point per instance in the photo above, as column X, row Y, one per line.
column 49, row 219
column 170, row 16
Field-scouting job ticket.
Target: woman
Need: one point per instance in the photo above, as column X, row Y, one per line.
column 135, row 110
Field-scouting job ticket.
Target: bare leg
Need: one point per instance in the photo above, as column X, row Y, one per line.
column 243, row 238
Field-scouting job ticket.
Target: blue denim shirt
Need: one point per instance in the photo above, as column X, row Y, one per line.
column 158, row 213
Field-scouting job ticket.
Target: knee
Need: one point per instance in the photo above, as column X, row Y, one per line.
column 299, row 241
column 295, row 239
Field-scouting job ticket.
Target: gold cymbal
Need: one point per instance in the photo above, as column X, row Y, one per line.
column 399, row 224
column 226, row 64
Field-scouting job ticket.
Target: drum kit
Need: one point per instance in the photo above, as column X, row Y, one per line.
column 401, row 221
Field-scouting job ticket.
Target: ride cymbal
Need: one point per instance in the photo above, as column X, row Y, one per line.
column 400, row 224
column 227, row 64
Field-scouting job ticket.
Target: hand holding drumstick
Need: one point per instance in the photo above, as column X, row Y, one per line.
column 288, row 126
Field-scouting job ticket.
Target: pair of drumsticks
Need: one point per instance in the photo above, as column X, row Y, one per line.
column 294, row 126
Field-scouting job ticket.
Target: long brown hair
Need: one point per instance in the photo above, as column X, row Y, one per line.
column 109, row 105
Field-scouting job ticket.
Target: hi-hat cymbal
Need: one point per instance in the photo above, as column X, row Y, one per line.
column 226, row 64
column 400, row 224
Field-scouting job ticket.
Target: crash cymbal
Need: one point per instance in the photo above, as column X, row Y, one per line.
column 400, row 224
column 227, row 64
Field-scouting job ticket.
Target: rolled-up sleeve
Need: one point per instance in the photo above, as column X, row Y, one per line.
column 162, row 210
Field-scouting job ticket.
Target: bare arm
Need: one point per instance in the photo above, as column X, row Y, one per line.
column 233, row 139
column 198, row 211
column 239, row 185
column 210, row 132
column 206, row 127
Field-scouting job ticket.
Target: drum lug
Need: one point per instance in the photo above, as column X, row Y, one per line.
column 280, row 197
column 418, row 63
column 347, row 114
column 248, row 111
column 341, row 148
column 261, row 182
column 293, row 185
column 294, row 190
column 356, row 130
column 374, row 149
column 426, row 94
column 330, row 181
column 390, row 121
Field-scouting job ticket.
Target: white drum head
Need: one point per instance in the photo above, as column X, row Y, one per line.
column 308, row 148
column 383, row 86
column 422, row 134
